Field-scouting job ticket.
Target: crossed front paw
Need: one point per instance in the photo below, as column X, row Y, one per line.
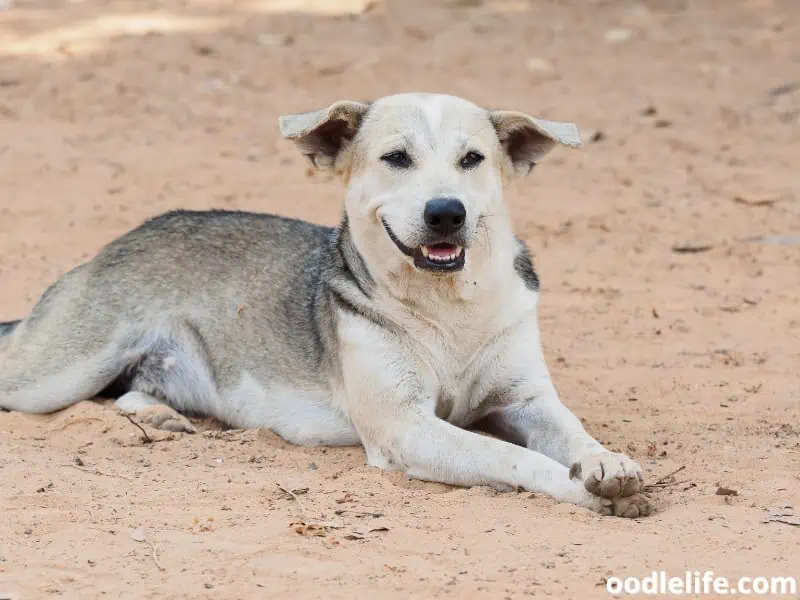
column 616, row 478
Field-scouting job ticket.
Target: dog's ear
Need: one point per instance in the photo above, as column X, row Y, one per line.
column 526, row 139
column 321, row 135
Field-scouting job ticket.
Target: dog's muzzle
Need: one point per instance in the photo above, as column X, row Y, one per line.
column 442, row 255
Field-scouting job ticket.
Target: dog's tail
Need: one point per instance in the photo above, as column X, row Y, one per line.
column 6, row 329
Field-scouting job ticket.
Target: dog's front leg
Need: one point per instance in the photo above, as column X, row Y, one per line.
column 391, row 401
column 542, row 423
column 400, row 432
column 532, row 415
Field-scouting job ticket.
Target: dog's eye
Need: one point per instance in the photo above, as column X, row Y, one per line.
column 399, row 159
column 471, row 160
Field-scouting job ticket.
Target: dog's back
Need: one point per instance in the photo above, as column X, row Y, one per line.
column 181, row 308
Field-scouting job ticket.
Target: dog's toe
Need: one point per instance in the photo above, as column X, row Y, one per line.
column 609, row 474
column 165, row 418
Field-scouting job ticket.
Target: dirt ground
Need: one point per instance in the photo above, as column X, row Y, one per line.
column 671, row 326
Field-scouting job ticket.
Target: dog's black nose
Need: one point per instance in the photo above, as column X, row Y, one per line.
column 445, row 215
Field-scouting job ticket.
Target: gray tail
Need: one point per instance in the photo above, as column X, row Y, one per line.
column 7, row 327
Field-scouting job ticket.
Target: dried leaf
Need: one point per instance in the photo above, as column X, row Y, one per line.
column 651, row 448
column 309, row 529
column 785, row 519
column 691, row 248
column 786, row 88
column 757, row 201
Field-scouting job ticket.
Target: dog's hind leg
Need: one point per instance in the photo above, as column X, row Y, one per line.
column 154, row 412
column 172, row 371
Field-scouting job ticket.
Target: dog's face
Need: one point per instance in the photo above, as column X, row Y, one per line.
column 424, row 171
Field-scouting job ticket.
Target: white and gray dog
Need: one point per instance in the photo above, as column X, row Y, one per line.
column 408, row 323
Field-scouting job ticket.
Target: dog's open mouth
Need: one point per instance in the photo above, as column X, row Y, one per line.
column 443, row 257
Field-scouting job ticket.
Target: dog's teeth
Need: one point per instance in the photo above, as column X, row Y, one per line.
column 425, row 251
column 459, row 250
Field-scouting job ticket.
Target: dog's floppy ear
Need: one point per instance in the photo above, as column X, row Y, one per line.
column 322, row 134
column 526, row 139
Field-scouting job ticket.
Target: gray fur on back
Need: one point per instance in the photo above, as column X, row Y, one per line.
column 242, row 281
column 192, row 308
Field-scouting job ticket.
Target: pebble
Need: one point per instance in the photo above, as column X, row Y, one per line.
column 536, row 63
column 615, row 36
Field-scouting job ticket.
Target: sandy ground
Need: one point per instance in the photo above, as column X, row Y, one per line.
column 114, row 111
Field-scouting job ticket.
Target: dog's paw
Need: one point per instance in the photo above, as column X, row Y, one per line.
column 163, row 417
column 631, row 507
column 627, row 507
column 608, row 474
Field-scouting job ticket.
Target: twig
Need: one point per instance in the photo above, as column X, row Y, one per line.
column 664, row 479
column 154, row 554
column 91, row 514
column 362, row 513
column 665, row 484
column 98, row 472
column 146, row 438
column 293, row 495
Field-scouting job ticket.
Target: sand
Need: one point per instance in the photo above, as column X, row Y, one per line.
column 669, row 327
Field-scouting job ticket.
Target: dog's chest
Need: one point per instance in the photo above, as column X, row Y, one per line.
column 457, row 354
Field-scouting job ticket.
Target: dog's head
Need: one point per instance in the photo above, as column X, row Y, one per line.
column 424, row 171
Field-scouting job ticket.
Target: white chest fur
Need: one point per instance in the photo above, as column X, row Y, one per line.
column 457, row 343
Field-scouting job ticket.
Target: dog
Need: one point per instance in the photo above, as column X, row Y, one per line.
column 411, row 328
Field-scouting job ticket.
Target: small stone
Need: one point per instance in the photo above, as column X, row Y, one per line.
column 538, row 64
column 28, row 531
column 204, row 50
column 593, row 135
column 269, row 39
column 618, row 35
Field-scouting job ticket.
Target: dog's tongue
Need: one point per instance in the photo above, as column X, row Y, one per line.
column 441, row 250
